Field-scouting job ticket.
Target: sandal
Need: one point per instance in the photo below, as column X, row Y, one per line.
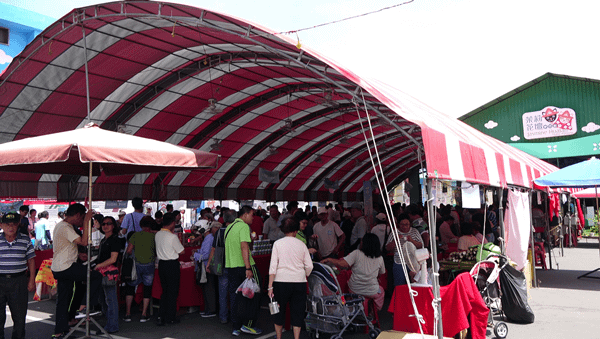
column 59, row 335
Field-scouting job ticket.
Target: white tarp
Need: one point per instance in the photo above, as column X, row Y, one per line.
column 517, row 227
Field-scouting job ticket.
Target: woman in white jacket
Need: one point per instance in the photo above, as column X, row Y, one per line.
column 290, row 265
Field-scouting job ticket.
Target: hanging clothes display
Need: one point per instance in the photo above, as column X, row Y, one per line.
column 554, row 205
column 517, row 227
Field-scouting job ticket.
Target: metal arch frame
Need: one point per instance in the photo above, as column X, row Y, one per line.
column 349, row 179
column 79, row 17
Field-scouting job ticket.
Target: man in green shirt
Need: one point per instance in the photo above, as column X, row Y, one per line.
column 239, row 266
column 145, row 256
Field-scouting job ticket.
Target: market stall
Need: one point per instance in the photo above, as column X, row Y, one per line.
column 284, row 118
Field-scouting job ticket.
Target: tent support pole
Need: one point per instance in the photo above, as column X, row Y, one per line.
column 436, row 279
column 587, row 275
column 87, row 79
column 597, row 213
column 569, row 231
column 532, row 243
column 547, row 226
column 501, row 218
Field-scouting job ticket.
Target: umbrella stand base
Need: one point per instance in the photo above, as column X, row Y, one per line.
column 586, row 275
column 92, row 320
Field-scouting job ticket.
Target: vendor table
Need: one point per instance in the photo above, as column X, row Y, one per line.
column 44, row 280
column 262, row 263
column 460, row 300
column 188, row 252
column 190, row 293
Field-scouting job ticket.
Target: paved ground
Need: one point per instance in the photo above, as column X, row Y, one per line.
column 564, row 307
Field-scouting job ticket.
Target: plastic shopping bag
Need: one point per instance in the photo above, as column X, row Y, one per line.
column 248, row 288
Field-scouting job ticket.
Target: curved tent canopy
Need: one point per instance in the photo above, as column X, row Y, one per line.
column 289, row 123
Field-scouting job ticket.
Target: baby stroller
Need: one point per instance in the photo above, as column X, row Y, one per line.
column 486, row 275
column 330, row 311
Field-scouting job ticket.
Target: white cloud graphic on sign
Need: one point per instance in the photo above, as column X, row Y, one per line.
column 490, row 124
column 590, row 127
column 5, row 58
column 515, row 138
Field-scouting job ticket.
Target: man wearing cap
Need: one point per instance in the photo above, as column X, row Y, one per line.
column 16, row 257
column 360, row 225
column 122, row 215
column 329, row 235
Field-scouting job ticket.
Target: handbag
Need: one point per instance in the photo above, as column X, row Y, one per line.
column 200, row 272
column 128, row 271
column 217, row 263
column 110, row 275
column 248, row 288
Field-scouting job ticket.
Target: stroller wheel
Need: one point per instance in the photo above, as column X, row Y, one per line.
column 501, row 330
column 374, row 333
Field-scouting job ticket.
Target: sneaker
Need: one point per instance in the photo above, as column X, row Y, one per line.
column 224, row 321
column 236, row 333
column 208, row 314
column 251, row 330
column 81, row 314
column 127, row 318
column 144, row 318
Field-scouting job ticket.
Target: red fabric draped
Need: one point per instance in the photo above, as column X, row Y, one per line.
column 580, row 215
column 554, row 205
column 460, row 299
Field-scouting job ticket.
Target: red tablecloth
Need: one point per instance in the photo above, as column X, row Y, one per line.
column 459, row 300
column 262, row 263
column 188, row 252
column 190, row 293
column 40, row 256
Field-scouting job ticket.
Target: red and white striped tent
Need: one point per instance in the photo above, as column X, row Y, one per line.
column 289, row 123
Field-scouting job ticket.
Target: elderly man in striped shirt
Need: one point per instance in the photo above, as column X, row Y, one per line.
column 16, row 257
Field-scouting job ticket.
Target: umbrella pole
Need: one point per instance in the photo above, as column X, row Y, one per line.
column 87, row 318
column 89, row 261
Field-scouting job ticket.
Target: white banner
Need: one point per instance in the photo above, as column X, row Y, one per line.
column 517, row 227
column 470, row 195
column 549, row 122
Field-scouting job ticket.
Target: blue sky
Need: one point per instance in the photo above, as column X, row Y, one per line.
column 454, row 55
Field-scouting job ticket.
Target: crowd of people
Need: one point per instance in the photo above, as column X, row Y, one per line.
column 332, row 235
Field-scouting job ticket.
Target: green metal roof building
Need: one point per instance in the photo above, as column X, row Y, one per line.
column 554, row 117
